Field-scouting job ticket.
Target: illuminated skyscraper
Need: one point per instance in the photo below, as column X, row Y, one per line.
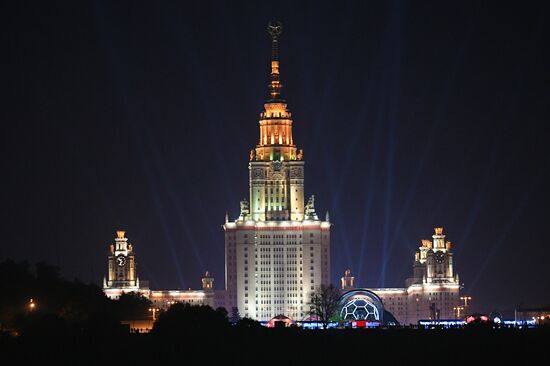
column 277, row 251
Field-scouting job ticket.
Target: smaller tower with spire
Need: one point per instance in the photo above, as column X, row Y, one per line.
column 347, row 281
column 122, row 268
column 207, row 282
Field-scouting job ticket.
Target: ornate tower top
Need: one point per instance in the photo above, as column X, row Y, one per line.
column 439, row 238
column 121, row 244
column 276, row 141
column 207, row 282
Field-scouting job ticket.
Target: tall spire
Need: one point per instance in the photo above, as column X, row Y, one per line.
column 276, row 142
column 275, row 28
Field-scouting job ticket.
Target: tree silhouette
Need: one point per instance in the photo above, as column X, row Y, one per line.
column 190, row 318
column 59, row 305
column 324, row 303
column 132, row 305
column 235, row 316
column 247, row 323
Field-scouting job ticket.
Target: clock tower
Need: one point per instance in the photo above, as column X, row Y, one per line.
column 122, row 274
column 434, row 289
column 439, row 259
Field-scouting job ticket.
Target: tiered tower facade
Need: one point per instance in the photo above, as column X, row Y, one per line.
column 122, row 277
column 434, row 288
column 433, row 291
column 122, row 269
column 277, row 251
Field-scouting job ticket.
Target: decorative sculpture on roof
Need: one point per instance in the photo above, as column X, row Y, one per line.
column 310, row 213
column 245, row 209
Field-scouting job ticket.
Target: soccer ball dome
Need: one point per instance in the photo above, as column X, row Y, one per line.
column 359, row 309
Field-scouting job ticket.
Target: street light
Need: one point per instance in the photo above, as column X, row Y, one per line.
column 465, row 299
column 458, row 309
column 154, row 311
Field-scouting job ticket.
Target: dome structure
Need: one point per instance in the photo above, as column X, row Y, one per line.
column 361, row 304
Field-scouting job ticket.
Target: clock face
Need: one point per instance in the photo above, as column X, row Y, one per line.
column 439, row 257
column 121, row 260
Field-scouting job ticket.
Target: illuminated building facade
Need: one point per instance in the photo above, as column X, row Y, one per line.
column 122, row 269
column 432, row 292
column 278, row 250
column 123, row 278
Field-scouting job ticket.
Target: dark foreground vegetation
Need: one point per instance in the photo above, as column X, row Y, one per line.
column 75, row 324
column 36, row 300
column 232, row 346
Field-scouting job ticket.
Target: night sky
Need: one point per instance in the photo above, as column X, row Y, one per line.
column 141, row 116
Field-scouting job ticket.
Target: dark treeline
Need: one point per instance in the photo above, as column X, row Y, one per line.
column 74, row 323
column 35, row 299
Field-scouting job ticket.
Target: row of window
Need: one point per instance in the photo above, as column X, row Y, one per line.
column 268, row 302
column 277, row 236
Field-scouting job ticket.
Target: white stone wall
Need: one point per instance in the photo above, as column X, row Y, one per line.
column 277, row 265
column 164, row 299
column 395, row 301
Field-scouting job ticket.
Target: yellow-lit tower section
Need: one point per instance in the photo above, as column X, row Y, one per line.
column 276, row 167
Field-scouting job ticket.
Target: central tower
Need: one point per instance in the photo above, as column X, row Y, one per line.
column 277, row 251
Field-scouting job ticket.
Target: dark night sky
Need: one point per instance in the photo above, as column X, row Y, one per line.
column 411, row 115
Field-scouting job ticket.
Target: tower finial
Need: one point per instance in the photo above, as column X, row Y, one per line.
column 275, row 28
